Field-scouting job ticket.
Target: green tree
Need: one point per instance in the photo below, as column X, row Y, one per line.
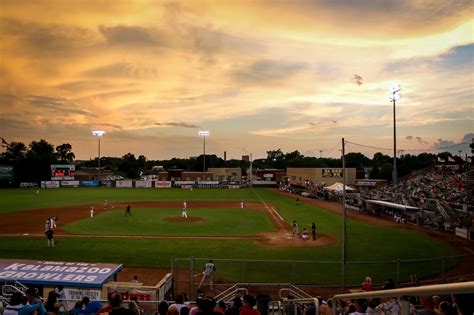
column 64, row 153
column 15, row 151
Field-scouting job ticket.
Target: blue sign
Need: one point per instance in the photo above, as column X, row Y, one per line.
column 57, row 272
column 89, row 183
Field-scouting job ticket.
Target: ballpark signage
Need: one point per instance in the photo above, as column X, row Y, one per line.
column 70, row 183
column 62, row 172
column 143, row 183
column 332, row 172
column 162, row 184
column 57, row 273
column 124, row 183
column 50, row 184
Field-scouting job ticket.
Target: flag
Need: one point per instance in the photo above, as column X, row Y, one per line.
column 4, row 142
column 450, row 159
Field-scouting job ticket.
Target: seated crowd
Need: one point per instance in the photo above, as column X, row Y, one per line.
column 31, row 304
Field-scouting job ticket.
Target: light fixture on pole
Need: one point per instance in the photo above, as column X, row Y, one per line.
column 204, row 134
column 395, row 97
column 98, row 134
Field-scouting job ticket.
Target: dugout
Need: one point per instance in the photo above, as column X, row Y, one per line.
column 74, row 280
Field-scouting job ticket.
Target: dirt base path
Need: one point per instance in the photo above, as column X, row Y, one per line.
column 30, row 223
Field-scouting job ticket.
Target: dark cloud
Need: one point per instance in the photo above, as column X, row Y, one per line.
column 122, row 69
column 267, row 71
column 130, row 35
column 178, row 124
column 417, row 139
column 58, row 105
column 457, row 58
column 47, row 39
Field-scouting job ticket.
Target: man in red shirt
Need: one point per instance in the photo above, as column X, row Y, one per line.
column 249, row 302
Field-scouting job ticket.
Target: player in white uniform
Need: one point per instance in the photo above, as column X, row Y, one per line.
column 241, row 203
column 184, row 213
column 207, row 273
column 185, row 205
column 92, row 212
column 52, row 222
column 105, row 204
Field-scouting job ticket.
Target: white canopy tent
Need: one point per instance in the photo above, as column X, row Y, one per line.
column 339, row 187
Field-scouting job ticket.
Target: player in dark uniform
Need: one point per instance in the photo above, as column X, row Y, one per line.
column 313, row 230
column 127, row 211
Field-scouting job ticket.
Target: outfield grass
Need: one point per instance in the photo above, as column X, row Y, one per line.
column 364, row 242
column 216, row 222
column 22, row 199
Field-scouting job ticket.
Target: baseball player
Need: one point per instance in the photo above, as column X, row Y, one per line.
column 184, row 214
column 127, row 211
column 185, row 205
column 207, row 273
column 241, row 203
column 105, row 204
column 92, row 212
column 295, row 228
column 52, row 222
column 47, row 225
column 313, row 230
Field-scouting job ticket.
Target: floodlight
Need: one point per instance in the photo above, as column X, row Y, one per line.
column 98, row 133
column 396, row 88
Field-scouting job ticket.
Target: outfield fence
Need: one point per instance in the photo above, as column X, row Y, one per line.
column 187, row 272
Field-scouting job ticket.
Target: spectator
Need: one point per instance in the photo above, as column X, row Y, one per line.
column 134, row 306
column 220, row 308
column 163, row 308
column 427, row 306
column 367, row 284
column 290, row 306
column 249, row 302
column 361, row 307
column 464, row 304
column 33, row 303
column 135, row 279
column 172, row 310
column 52, row 304
column 14, row 305
column 89, row 306
column 372, row 306
column 207, row 307
column 77, row 308
column 445, row 308
column 235, row 308
column 116, row 308
column 179, row 302
column 436, row 301
column 184, row 311
column 351, row 309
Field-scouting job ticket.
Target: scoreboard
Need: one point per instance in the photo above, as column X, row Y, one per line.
column 62, row 172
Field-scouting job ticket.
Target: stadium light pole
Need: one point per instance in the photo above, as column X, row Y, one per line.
column 204, row 134
column 395, row 97
column 98, row 134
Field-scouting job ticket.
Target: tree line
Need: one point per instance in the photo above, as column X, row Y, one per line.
column 32, row 162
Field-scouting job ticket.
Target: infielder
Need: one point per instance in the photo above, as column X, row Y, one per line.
column 185, row 205
column 92, row 212
column 241, row 203
column 184, row 214
column 295, row 228
column 52, row 222
column 105, row 204
column 207, row 273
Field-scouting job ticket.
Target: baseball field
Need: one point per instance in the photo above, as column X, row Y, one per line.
column 216, row 228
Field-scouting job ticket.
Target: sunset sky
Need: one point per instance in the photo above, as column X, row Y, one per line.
column 259, row 75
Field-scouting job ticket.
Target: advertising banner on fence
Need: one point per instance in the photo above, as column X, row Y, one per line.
column 70, row 183
column 162, row 184
column 124, row 183
column 143, row 183
column 50, row 184
column 56, row 272
column 6, row 172
column 89, row 183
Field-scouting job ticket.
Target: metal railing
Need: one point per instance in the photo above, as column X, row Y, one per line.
column 439, row 289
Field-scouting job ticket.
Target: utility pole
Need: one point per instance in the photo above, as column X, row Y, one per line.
column 343, row 260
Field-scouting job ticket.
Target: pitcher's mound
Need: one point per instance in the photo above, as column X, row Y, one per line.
column 179, row 219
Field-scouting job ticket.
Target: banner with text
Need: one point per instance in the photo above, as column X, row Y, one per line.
column 162, row 184
column 70, row 183
column 124, row 183
column 143, row 183
column 50, row 184
column 56, row 272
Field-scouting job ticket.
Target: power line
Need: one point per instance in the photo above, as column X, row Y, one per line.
column 417, row 150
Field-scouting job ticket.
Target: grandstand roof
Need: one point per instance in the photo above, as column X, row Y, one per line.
column 392, row 205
